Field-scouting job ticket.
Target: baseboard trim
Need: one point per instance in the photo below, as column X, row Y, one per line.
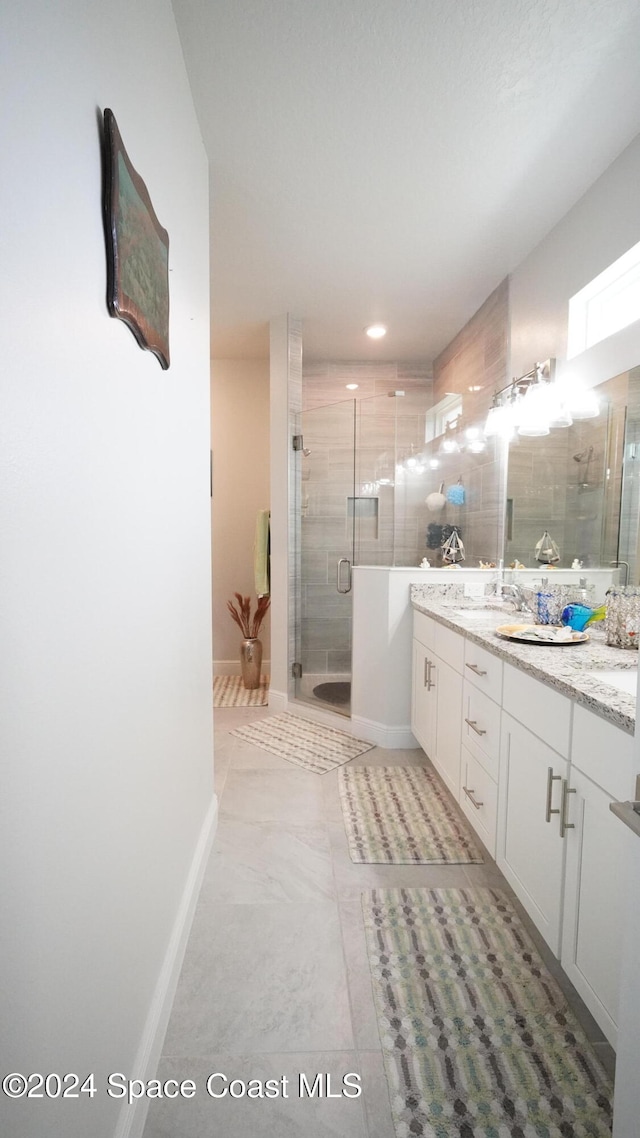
column 278, row 701
column 391, row 738
column 131, row 1121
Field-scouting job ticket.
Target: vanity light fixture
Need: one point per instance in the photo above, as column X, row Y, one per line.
column 450, row 444
column 534, row 404
column 376, row 331
column 499, row 424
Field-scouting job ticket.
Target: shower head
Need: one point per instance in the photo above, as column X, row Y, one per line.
column 584, row 454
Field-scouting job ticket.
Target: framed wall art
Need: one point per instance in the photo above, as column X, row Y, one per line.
column 137, row 250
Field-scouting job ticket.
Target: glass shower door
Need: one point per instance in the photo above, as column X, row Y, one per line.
column 326, row 501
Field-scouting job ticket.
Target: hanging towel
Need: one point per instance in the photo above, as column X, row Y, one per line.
column 261, row 551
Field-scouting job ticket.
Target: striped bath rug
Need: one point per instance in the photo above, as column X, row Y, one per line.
column 402, row 815
column 477, row 1038
column 229, row 691
column 302, row 741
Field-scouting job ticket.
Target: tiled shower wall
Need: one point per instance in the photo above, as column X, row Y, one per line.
column 474, row 365
column 355, row 442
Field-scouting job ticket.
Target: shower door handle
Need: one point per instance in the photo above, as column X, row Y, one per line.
column 341, row 562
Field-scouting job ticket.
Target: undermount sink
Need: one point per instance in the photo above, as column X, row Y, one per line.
column 481, row 611
column 623, row 679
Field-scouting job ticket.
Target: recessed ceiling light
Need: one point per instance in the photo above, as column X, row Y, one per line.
column 351, row 386
column 376, row 331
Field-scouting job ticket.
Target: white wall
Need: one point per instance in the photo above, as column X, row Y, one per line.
column 105, row 594
column 285, row 364
column 240, row 443
column 602, row 225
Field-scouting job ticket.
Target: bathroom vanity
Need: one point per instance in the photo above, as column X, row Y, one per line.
column 535, row 743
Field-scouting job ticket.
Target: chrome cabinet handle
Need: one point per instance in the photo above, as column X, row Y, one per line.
column 343, row 561
column 551, row 778
column 566, row 791
column 430, row 668
column 470, row 794
column 473, row 723
column 474, row 668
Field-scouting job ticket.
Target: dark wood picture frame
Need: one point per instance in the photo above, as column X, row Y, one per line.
column 137, row 250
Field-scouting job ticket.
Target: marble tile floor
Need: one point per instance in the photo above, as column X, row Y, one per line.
column 275, row 979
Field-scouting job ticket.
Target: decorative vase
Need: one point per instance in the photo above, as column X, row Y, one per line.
column 251, row 661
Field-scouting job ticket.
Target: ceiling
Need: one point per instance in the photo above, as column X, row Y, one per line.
column 393, row 160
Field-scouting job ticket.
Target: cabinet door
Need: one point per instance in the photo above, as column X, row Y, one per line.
column 448, row 691
column 593, row 906
column 530, row 851
column 423, row 701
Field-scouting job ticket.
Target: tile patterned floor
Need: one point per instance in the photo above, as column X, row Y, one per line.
column 275, row 978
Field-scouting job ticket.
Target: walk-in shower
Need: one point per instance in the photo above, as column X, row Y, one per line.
column 359, row 501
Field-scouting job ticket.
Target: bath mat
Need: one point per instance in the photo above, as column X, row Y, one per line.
column 476, row 1035
column 308, row 744
column 402, row 816
column 229, row 691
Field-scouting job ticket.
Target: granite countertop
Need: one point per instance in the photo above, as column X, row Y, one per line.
column 571, row 669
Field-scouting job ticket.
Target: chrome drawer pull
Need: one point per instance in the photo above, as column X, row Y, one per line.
column 566, row 791
column 551, row 778
column 474, row 668
column 473, row 723
column 470, row 794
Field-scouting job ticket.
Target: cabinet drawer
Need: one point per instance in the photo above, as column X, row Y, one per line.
column 604, row 753
column 449, row 646
column 479, row 800
column 423, row 629
column 483, row 669
column 481, row 727
column 542, row 710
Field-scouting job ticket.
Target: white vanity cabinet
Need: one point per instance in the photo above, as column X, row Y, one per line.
column 423, row 702
column 436, row 705
column 530, row 850
column 601, row 772
column 533, row 793
column 480, row 753
column 535, row 773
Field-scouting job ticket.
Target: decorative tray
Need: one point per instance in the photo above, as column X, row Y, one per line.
column 550, row 634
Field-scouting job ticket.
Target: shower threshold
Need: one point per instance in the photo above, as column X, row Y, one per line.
column 329, row 690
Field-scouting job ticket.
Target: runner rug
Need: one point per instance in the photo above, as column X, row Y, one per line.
column 402, row 815
column 477, row 1038
column 302, row 741
column 229, row 691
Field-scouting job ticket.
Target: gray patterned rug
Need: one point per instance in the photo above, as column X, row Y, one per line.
column 402, row 816
column 477, row 1038
column 303, row 741
column 229, row 691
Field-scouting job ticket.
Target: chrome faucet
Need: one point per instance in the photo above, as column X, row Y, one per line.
column 515, row 594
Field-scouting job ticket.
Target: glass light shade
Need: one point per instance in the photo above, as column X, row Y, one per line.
column 534, row 415
column 580, row 402
column 557, row 410
column 585, row 405
column 449, row 446
column 499, row 422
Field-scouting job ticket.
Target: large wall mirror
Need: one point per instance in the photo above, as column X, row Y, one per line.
column 581, row 484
